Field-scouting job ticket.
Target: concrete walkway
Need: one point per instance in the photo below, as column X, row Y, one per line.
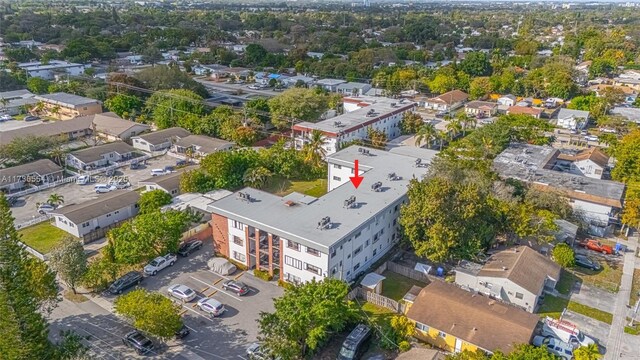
column 615, row 343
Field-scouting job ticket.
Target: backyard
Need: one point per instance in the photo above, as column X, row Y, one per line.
column 395, row 286
column 635, row 288
column 281, row 186
column 42, row 237
column 553, row 306
column 608, row 278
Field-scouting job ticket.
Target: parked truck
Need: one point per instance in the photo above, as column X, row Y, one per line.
column 160, row 263
column 566, row 332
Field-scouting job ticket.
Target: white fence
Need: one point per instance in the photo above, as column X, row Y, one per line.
column 35, row 220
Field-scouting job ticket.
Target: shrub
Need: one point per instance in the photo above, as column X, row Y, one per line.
column 563, row 254
column 285, row 285
column 404, row 346
column 261, row 274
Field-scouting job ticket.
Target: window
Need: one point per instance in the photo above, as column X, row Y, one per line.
column 313, row 251
column 356, row 266
column 422, row 327
column 358, row 234
column 293, row 245
column 598, row 172
column 237, row 225
column 313, row 269
column 375, row 238
column 441, row 334
column 357, row 250
column 333, row 253
column 71, row 225
column 238, row 241
column 519, row 296
column 238, row 256
column 108, row 215
column 395, row 209
column 293, row 262
column 337, row 166
column 337, row 178
column 366, row 243
column 85, row 224
column 375, row 251
column 292, row 278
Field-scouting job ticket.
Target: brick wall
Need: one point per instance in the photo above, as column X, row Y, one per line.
column 220, row 230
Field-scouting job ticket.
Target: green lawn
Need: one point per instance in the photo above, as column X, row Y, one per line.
column 42, row 237
column 281, row 186
column 379, row 315
column 635, row 288
column 395, row 286
column 567, row 279
column 608, row 278
column 552, row 306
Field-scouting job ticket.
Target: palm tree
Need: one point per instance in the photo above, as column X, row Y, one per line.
column 425, row 134
column 57, row 154
column 440, row 136
column 37, row 109
column 55, row 199
column 56, row 111
column 313, row 150
column 256, row 177
column 453, row 128
column 589, row 352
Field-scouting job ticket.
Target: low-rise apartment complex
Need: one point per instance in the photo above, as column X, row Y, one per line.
column 159, row 140
column 65, row 106
column 337, row 235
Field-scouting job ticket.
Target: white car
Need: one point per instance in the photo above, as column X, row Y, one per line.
column 211, row 306
column 555, row 346
column 156, row 172
column 45, row 208
column 83, row 179
column 5, row 117
column 119, row 184
column 103, row 188
column 182, row 292
column 591, row 138
column 160, row 263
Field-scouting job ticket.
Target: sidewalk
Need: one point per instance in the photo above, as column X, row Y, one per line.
column 616, row 348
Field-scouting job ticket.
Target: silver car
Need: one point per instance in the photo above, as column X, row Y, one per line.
column 211, row 306
column 182, row 292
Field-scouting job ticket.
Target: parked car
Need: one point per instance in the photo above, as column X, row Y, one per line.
column 183, row 332
column 46, row 208
column 566, row 332
column 138, row 341
column 596, row 245
column 157, row 172
column 83, row 179
column 126, row 281
column 255, row 352
column 12, row 200
column 103, row 188
column 189, row 246
column 237, row 287
column 160, row 263
column 591, row 138
column 31, row 118
column 587, row 262
column 212, row 307
column 554, row 346
column 135, row 165
column 5, row 117
column 169, row 169
column 356, row 343
column 182, row 292
column 110, row 172
column 119, row 183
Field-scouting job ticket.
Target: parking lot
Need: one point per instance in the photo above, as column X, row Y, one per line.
column 223, row 337
column 25, row 209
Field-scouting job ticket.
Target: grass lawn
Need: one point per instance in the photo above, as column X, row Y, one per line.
column 281, row 186
column 608, row 278
column 567, row 279
column 42, row 237
column 395, row 286
column 379, row 315
column 635, row 288
column 553, row 306
column 633, row 329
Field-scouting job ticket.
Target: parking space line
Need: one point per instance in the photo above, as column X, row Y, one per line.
column 218, row 281
column 205, row 289
column 182, row 312
column 239, row 275
column 197, row 313
column 222, row 291
column 210, row 295
column 190, row 328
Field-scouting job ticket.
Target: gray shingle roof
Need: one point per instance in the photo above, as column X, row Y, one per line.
column 205, row 144
column 115, row 200
column 95, row 153
column 52, row 128
column 161, row 136
column 68, row 100
column 39, row 167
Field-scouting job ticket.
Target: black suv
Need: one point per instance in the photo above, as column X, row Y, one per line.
column 126, row 281
column 189, row 246
column 138, row 341
column 356, row 343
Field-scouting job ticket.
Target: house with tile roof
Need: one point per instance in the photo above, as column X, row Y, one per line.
column 448, row 101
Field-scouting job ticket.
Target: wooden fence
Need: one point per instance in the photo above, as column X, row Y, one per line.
column 376, row 299
column 407, row 272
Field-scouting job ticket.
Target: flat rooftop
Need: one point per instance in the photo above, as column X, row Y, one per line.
column 64, row 99
column 360, row 118
column 299, row 221
column 528, row 163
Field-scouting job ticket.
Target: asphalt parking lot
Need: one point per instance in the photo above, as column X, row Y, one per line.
column 223, row 337
column 25, row 209
column 16, row 124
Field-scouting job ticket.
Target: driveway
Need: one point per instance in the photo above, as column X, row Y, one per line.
column 594, row 328
column 594, row 297
column 17, row 124
column 25, row 208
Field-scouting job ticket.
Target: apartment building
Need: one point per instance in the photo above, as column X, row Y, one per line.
column 338, row 235
column 382, row 114
column 597, row 201
column 50, row 70
column 65, row 106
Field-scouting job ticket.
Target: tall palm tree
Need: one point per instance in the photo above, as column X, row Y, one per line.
column 454, row 127
column 37, row 109
column 425, row 134
column 256, row 177
column 313, row 150
column 55, row 199
column 56, row 111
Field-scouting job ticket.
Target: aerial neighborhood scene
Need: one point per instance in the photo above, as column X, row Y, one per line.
column 327, row 179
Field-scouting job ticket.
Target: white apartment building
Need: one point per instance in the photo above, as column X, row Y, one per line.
column 52, row 68
column 382, row 114
column 99, row 214
column 572, row 119
column 300, row 237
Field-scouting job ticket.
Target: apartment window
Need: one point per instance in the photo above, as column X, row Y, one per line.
column 238, row 241
column 375, row 238
column 313, row 251
column 333, row 253
column 313, row 269
column 237, row 225
column 441, row 334
column 334, row 270
column 85, row 224
column 71, row 225
column 519, row 296
column 108, row 215
column 357, row 250
column 238, row 256
column 395, row 208
column 375, row 251
column 337, row 166
column 293, row 245
column 366, row 243
column 117, row 212
column 337, row 178
column 358, row 234
column 598, row 172
column 422, row 327
column 292, row 278
column 356, row 266
column 293, row 262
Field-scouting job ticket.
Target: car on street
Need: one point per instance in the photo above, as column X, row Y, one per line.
column 46, row 208
column 160, row 263
column 103, row 188
column 31, row 118
column 238, row 287
column 555, row 346
column 119, row 183
column 181, row 292
column 110, row 172
column 157, row 172
column 591, row 138
column 135, row 165
column 12, row 200
column 255, row 87
column 126, row 281
column 255, row 352
column 83, row 179
column 169, row 169
column 5, row 117
column 189, row 246
column 212, row 307
column 587, row 262
column 140, row 343
column 595, row 245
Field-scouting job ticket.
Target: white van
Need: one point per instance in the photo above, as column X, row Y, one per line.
column 103, row 188
column 83, row 179
column 566, row 332
column 156, row 172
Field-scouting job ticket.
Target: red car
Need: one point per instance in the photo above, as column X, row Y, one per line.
column 596, row 245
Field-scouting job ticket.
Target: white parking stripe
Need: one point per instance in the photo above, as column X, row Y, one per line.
column 190, row 328
column 219, row 289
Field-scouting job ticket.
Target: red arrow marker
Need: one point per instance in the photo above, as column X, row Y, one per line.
column 356, row 180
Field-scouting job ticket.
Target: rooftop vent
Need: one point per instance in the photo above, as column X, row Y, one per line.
column 376, row 186
column 419, row 163
column 325, row 223
column 392, row 176
column 350, row 202
column 338, row 124
column 393, row 104
column 371, row 113
column 289, row 203
column 244, row 197
column 364, row 151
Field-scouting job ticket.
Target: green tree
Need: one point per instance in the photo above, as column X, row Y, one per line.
column 627, row 154
column 476, row 63
column 27, row 148
column 589, row 352
column 38, row 85
column 397, row 333
column 563, row 254
column 426, row 133
column 168, row 108
column 126, row 106
column 69, row 261
column 153, row 200
column 255, row 54
column 480, row 87
column 411, row 122
column 297, row 104
column 256, row 177
column 150, row 312
column 442, row 83
column 305, row 317
column 163, row 77
column 55, row 199
column 378, row 138
column 314, row 151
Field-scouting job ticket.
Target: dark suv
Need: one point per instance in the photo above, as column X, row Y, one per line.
column 189, row 246
column 126, row 281
column 356, row 343
column 138, row 341
column 237, row 287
